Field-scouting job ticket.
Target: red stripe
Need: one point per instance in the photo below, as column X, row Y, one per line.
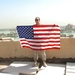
column 44, row 45
column 40, row 42
column 45, row 25
column 44, row 41
column 48, row 30
column 54, row 48
column 45, row 38
column 47, row 34
column 49, row 38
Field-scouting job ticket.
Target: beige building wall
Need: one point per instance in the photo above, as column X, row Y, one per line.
column 13, row 49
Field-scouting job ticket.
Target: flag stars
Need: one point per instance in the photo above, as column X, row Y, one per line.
column 25, row 31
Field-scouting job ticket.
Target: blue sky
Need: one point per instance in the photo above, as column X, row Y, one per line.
column 23, row 12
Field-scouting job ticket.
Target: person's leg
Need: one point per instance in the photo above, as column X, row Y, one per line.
column 43, row 53
column 35, row 58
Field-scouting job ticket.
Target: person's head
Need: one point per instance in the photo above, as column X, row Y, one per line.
column 37, row 21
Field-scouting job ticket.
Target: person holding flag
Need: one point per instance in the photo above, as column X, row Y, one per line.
column 39, row 38
column 36, row 52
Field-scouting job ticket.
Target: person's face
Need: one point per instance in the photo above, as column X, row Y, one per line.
column 37, row 21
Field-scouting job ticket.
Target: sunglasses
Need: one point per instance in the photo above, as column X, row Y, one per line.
column 36, row 19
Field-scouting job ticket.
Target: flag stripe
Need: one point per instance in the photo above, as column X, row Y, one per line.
column 43, row 37
column 36, row 43
column 48, row 38
column 46, row 29
column 46, row 32
column 40, row 40
column 42, row 48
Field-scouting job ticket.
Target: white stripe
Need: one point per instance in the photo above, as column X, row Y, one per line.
column 55, row 31
column 44, row 47
column 41, row 28
column 46, row 36
column 38, row 40
column 42, row 43
column 22, row 38
column 24, row 41
column 40, row 47
column 25, row 45
column 39, row 43
column 38, row 32
column 44, row 40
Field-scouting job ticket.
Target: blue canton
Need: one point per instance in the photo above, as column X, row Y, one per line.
column 25, row 32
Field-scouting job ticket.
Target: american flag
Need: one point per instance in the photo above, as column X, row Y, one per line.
column 39, row 37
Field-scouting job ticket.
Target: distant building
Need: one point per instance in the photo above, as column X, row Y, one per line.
column 68, row 28
column 68, row 31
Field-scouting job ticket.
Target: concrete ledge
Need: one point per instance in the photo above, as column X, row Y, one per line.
column 11, row 49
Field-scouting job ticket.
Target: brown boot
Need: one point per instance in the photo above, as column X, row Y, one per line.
column 34, row 64
column 44, row 64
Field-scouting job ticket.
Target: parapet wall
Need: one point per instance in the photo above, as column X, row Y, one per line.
column 13, row 49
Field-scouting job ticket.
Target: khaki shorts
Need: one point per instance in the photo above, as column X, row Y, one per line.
column 40, row 54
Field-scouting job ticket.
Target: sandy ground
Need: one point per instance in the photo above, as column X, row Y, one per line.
column 4, row 65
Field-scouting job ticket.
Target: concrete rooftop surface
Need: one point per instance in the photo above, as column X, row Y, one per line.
column 25, row 68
